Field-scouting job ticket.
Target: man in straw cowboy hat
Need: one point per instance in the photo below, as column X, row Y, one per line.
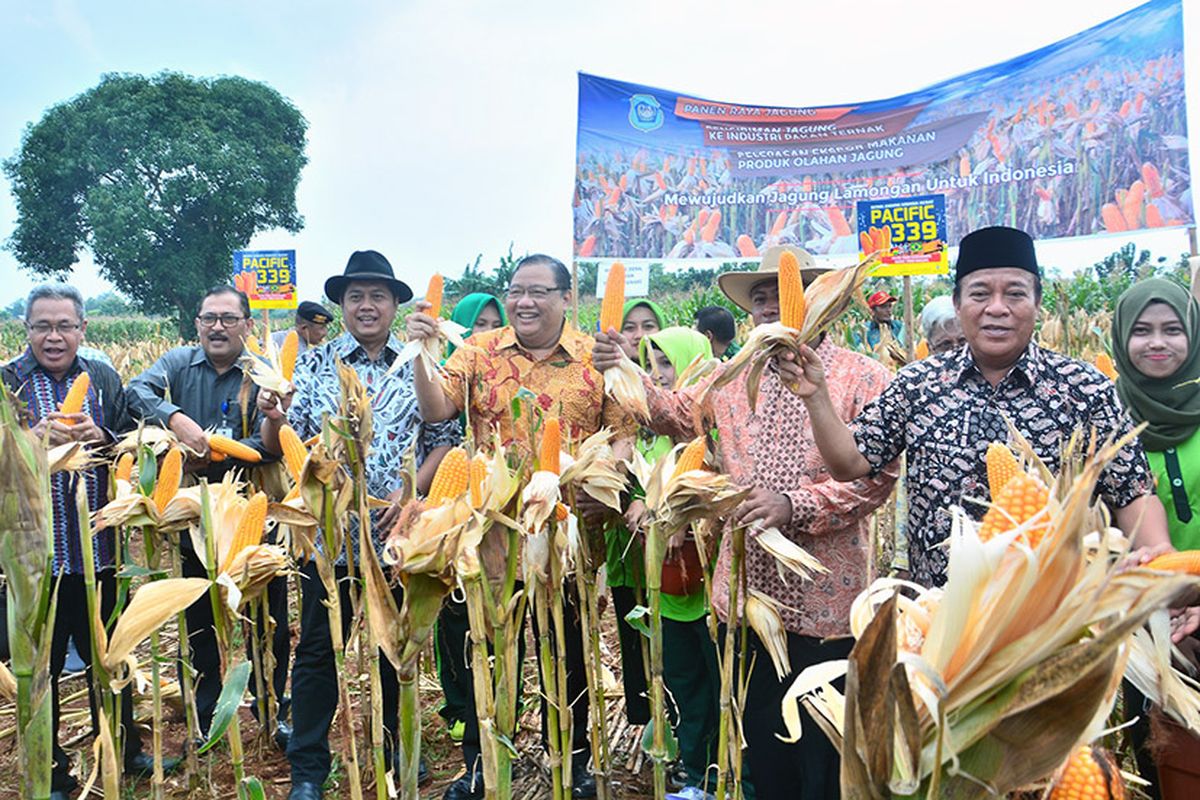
column 369, row 295
column 771, row 449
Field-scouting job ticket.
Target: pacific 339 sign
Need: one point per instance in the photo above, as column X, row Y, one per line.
column 267, row 277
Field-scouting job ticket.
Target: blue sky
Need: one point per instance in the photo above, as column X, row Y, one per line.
column 442, row 130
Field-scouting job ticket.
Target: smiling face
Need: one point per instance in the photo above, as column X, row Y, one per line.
column 1158, row 343
column 997, row 308
column 222, row 341
column 764, row 302
column 536, row 305
column 368, row 311
column 488, row 319
column 638, row 322
column 662, row 371
column 55, row 332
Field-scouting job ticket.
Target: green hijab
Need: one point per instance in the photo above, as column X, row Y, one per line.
column 680, row 345
column 1172, row 410
column 468, row 309
column 654, row 307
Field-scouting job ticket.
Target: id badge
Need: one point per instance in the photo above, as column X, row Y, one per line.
column 225, row 431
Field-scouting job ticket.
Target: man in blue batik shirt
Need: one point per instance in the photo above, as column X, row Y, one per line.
column 369, row 295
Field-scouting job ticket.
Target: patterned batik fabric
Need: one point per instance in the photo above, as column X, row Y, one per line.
column 945, row 413
column 397, row 424
column 42, row 395
column 494, row 366
column 772, row 447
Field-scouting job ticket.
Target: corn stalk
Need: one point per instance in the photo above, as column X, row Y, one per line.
column 589, row 615
column 728, row 734
column 26, row 555
column 149, row 536
column 655, row 551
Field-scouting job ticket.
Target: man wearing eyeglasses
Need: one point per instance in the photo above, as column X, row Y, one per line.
column 191, row 390
column 41, row 378
column 538, row 352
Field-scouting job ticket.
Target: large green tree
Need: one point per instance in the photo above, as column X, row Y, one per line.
column 162, row 178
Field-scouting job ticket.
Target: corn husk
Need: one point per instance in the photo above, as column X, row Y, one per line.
column 594, row 470
column 623, row 383
column 428, row 352
column 675, row 501
column 71, row 457
column 762, row 612
column 1151, row 670
column 252, row 568
column 826, row 298
column 153, row 604
column 1021, row 656
column 266, row 370
column 788, row 555
column 159, row 440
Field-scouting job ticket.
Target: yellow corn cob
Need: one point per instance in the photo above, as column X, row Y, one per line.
column 433, row 295
column 1183, row 561
column 253, row 346
column 1090, row 774
column 551, row 444
column 1001, row 467
column 1020, row 499
column 921, row 351
column 287, row 354
column 215, row 457
column 312, row 441
column 124, row 469
column 73, row 402
column 476, row 473
column 791, row 292
column 233, row 448
column 614, row 298
column 294, row 451
column 169, row 474
column 293, row 494
column 560, row 512
column 450, row 480
column 250, row 528
column 1104, row 363
column 691, row 457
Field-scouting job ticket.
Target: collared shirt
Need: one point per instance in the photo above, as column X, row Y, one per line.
column 396, row 420
column 105, row 403
column 495, row 367
column 874, row 332
column 772, row 447
column 184, row 380
column 945, row 413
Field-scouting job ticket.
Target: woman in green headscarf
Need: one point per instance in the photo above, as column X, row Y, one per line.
column 1156, row 347
column 477, row 312
column 639, row 318
column 689, row 656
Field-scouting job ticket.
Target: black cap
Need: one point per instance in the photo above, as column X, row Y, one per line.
column 995, row 247
column 313, row 312
column 367, row 265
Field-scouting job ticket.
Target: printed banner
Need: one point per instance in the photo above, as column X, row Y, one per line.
column 909, row 234
column 637, row 279
column 268, row 277
column 1085, row 136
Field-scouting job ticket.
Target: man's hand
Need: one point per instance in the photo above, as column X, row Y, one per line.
column 1144, row 555
column 84, row 429
column 591, row 509
column 392, row 513
column 803, row 375
column 635, row 516
column 54, row 429
column 421, row 326
column 1184, row 622
column 768, row 509
column 189, row 433
column 273, row 406
column 608, row 349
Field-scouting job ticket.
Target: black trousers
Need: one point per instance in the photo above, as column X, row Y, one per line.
column 576, row 683
column 314, row 679
column 70, row 622
column 202, row 639
column 633, row 661
column 808, row 769
column 451, row 638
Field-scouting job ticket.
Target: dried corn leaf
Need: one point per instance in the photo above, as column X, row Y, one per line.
column 152, row 606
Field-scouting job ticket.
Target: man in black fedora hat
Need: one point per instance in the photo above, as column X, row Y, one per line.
column 369, row 295
column 946, row 409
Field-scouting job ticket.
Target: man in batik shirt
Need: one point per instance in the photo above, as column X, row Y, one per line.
column 771, row 449
column 946, row 409
column 369, row 295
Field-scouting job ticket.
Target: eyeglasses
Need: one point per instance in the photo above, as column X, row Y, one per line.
column 226, row 320
column 62, row 328
column 533, row 292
